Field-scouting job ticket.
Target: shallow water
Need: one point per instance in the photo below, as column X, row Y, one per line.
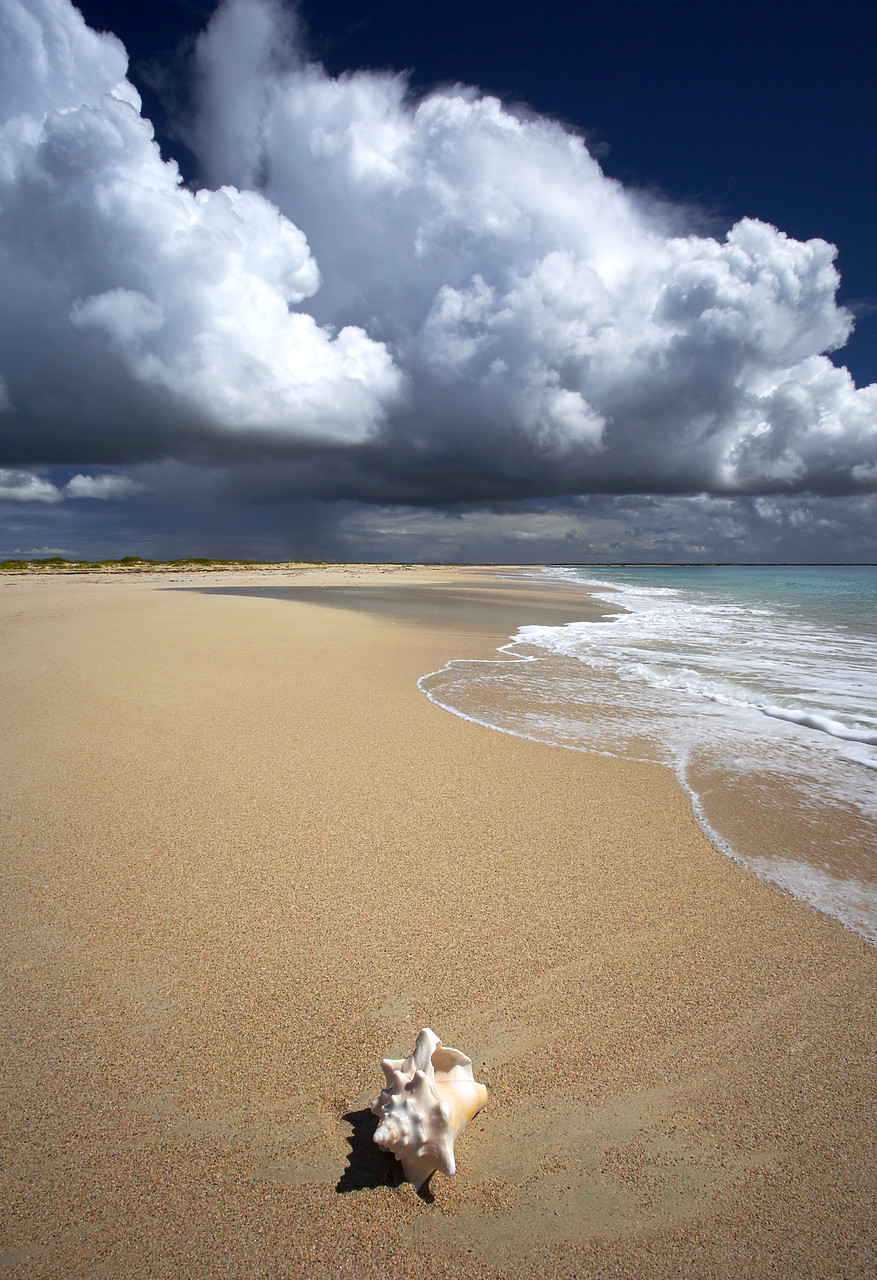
column 758, row 686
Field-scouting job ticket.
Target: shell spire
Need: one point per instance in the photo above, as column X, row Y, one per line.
column 428, row 1100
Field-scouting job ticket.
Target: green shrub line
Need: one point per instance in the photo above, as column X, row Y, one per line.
column 59, row 564
column 140, row 564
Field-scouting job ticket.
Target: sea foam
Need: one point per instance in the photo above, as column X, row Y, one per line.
column 752, row 684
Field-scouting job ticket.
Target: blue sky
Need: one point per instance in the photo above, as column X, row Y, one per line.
column 439, row 282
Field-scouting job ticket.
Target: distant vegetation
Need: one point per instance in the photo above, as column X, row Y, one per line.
column 137, row 564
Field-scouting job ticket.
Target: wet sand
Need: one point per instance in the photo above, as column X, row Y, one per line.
column 243, row 859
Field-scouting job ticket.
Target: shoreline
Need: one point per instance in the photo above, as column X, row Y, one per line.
column 820, row 851
column 246, row 859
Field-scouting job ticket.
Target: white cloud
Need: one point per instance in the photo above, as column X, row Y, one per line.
column 387, row 300
column 191, row 294
column 40, row 551
column 558, row 332
column 101, row 487
column 53, row 62
column 26, row 486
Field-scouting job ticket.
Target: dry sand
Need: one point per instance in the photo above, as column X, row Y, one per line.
column 243, row 859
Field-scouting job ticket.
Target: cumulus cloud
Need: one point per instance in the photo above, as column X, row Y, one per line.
column 26, row 486
column 30, row 486
column 129, row 290
column 101, row 487
column 387, row 299
column 559, row 334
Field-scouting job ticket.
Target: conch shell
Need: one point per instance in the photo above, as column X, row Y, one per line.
column 428, row 1100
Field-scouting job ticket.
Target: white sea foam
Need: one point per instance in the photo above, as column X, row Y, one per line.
column 845, row 897
column 732, row 677
column 771, row 662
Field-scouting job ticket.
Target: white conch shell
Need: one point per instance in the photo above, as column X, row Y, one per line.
column 428, row 1101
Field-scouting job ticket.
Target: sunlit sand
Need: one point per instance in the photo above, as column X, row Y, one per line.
column 244, row 858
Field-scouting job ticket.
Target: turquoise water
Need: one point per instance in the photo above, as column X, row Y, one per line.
column 794, row 643
column 756, row 685
column 834, row 593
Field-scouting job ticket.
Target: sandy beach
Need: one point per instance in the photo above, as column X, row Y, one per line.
column 244, row 858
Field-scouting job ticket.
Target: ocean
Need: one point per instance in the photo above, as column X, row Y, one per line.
column 757, row 685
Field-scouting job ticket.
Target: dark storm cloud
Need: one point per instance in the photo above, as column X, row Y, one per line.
column 383, row 300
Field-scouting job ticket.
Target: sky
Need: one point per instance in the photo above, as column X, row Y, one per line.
column 407, row 282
